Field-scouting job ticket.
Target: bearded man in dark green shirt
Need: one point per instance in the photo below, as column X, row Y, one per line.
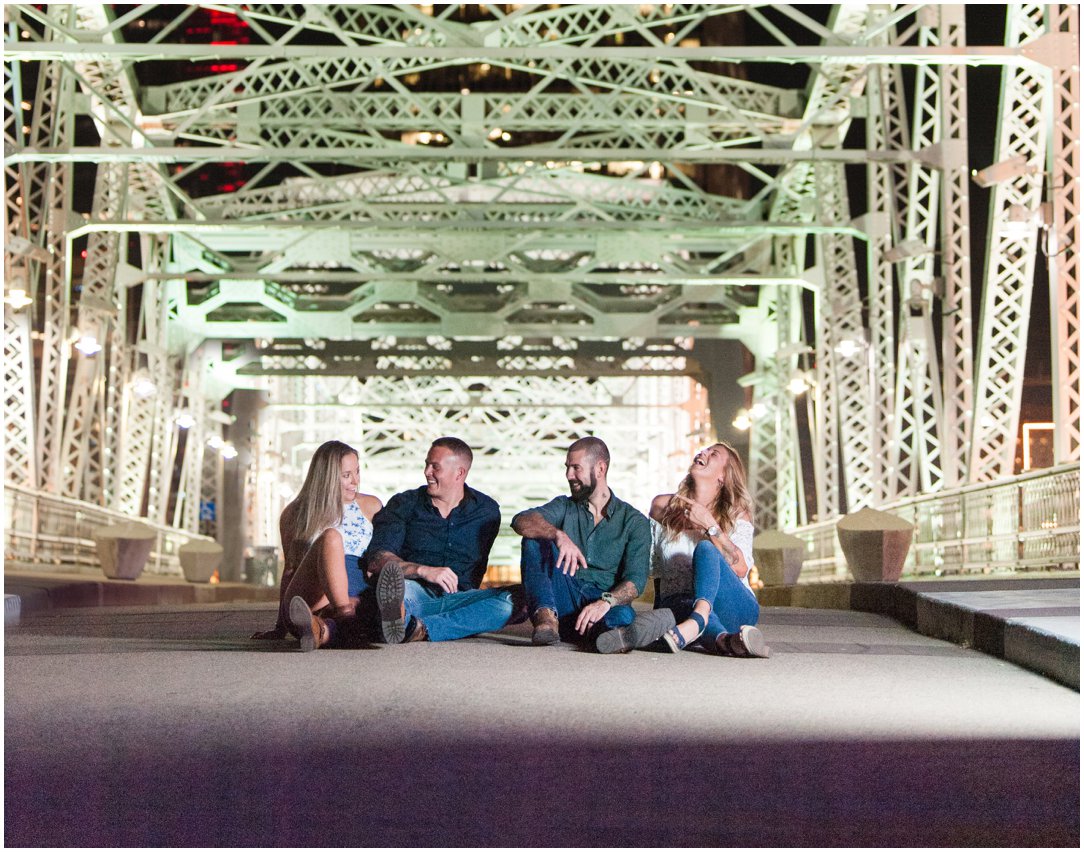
column 584, row 557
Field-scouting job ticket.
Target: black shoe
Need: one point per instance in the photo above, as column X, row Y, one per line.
column 646, row 628
column 390, row 590
column 748, row 642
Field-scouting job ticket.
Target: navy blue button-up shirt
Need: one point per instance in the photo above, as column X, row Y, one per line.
column 411, row 527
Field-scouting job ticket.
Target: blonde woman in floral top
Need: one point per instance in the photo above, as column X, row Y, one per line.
column 325, row 531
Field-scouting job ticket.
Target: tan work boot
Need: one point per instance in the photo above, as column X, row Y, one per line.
column 545, row 627
column 419, row 634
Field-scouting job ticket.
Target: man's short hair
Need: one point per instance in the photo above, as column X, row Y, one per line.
column 595, row 448
column 457, row 446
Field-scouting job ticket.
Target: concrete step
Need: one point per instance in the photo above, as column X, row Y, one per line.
column 37, row 592
column 1033, row 622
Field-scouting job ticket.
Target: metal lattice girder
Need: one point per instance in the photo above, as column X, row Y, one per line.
column 200, row 427
column 919, row 410
column 796, row 196
column 1063, row 246
column 763, row 472
column 957, row 362
column 47, row 207
column 145, row 415
column 519, row 429
column 841, row 320
column 442, row 356
column 1010, row 272
column 573, row 120
column 416, row 193
column 652, row 284
column 789, row 497
column 20, row 460
column 99, row 309
column 524, row 26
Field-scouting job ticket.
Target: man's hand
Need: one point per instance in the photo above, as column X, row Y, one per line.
column 443, row 577
column 569, row 557
column 590, row 615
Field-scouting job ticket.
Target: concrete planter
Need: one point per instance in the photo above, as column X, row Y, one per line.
column 875, row 545
column 123, row 549
column 200, row 560
column 778, row 557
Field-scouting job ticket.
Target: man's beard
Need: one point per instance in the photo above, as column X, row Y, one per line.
column 582, row 493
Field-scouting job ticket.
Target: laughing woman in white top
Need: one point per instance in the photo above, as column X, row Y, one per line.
column 325, row 531
column 702, row 543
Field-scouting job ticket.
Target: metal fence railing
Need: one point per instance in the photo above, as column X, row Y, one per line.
column 47, row 531
column 1029, row 522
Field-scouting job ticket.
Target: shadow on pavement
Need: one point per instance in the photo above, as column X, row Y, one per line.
column 555, row 791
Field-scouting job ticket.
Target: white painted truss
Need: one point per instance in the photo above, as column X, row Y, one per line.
column 554, row 204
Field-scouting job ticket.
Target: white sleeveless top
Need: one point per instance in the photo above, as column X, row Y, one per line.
column 672, row 558
column 356, row 529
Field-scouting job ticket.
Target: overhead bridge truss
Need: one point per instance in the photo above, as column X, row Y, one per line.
column 515, row 223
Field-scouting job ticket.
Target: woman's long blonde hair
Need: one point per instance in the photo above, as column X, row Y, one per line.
column 733, row 501
column 319, row 504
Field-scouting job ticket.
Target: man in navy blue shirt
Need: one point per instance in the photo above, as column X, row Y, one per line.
column 430, row 549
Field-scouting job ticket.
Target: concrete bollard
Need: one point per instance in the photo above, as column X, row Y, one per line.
column 123, row 549
column 200, row 559
column 778, row 557
column 875, row 545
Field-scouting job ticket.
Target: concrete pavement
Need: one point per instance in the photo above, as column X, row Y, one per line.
column 165, row 726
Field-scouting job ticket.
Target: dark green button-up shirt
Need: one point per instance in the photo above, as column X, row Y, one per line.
column 617, row 549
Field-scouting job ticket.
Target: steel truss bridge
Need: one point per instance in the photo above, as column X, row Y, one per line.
column 516, row 223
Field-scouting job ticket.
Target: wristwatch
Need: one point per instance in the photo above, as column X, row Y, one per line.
column 712, row 531
column 610, row 599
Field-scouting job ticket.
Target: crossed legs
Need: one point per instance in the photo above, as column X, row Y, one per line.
column 720, row 598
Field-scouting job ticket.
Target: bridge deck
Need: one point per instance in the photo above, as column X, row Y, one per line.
column 163, row 725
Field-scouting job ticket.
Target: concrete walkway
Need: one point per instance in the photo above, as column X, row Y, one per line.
column 166, row 726
column 1033, row 621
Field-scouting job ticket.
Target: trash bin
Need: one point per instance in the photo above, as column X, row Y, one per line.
column 262, row 567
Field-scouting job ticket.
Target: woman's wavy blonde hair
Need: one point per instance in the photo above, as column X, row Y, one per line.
column 319, row 504
column 733, row 500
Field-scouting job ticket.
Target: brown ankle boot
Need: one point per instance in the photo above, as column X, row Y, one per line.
column 311, row 629
column 419, row 634
column 545, row 627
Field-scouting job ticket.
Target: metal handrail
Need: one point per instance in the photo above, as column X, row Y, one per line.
column 1026, row 522
column 42, row 529
column 1022, row 523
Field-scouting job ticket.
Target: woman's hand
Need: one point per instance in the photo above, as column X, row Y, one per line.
column 699, row 516
column 276, row 633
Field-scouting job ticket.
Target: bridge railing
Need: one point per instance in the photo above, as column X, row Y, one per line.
column 46, row 531
column 1029, row 522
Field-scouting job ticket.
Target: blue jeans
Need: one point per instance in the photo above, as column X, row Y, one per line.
column 546, row 586
column 732, row 602
column 453, row 616
column 355, row 577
